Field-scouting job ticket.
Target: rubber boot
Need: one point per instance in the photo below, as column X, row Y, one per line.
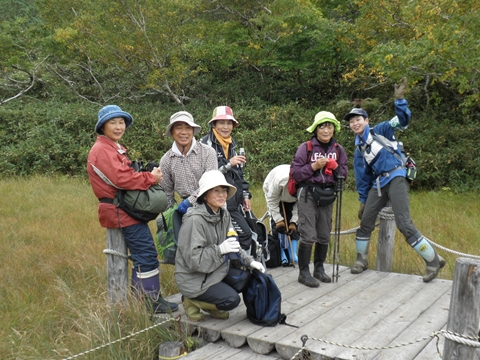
column 361, row 263
column 147, row 284
column 319, row 257
column 304, row 277
column 191, row 310
column 433, row 261
column 211, row 309
column 294, row 250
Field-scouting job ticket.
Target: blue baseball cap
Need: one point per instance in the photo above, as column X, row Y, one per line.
column 356, row 112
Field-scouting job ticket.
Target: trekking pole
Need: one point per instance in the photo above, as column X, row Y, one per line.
column 338, row 220
column 292, row 263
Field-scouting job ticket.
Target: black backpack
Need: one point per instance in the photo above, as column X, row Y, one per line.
column 263, row 300
column 272, row 252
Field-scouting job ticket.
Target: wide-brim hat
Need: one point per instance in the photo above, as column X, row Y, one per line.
column 182, row 116
column 211, row 179
column 109, row 112
column 223, row 113
column 356, row 112
column 323, row 117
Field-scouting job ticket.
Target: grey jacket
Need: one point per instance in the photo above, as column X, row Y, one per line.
column 198, row 262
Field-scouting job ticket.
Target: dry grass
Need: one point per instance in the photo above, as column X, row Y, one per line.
column 53, row 288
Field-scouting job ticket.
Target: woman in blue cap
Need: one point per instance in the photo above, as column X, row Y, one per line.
column 109, row 169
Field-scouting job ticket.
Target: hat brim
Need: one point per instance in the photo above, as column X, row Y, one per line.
column 231, row 189
column 196, row 128
column 224, row 117
column 128, row 119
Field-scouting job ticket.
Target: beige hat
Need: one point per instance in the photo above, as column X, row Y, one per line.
column 211, row 179
column 185, row 117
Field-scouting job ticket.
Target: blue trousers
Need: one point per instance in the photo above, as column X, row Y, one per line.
column 140, row 242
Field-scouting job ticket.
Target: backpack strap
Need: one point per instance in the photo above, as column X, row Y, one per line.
column 386, row 147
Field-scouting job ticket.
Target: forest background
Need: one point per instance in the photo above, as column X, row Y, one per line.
column 275, row 62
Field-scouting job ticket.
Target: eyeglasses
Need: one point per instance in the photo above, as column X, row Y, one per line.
column 327, row 125
column 220, row 192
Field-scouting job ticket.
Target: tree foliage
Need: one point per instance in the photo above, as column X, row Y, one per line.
column 276, row 62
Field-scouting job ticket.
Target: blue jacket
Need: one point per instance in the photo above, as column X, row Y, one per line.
column 372, row 160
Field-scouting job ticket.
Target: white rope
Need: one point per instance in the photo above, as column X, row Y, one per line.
column 461, row 339
column 453, row 251
column 121, row 339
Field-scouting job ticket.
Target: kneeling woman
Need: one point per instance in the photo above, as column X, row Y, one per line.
column 200, row 265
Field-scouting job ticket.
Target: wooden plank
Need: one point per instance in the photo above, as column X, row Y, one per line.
column 352, row 311
column 433, row 350
column 396, row 327
column 221, row 350
column 308, row 317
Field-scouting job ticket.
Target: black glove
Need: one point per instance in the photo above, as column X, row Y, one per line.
column 360, row 211
column 281, row 227
column 400, row 89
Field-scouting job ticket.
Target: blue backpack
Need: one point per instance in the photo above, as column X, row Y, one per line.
column 263, row 300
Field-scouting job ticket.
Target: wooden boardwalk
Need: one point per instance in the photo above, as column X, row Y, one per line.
column 371, row 310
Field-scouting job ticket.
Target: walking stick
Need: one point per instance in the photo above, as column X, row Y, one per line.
column 338, row 220
column 292, row 263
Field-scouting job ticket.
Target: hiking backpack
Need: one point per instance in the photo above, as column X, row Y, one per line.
column 168, row 227
column 263, row 300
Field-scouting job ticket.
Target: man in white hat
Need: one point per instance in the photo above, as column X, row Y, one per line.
column 184, row 164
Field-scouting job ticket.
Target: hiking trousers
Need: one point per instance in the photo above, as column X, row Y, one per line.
column 397, row 192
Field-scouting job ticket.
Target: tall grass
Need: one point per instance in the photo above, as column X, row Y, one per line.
column 53, row 285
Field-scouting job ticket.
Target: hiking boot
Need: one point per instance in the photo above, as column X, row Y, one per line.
column 360, row 265
column 210, row 309
column 304, row 277
column 432, row 271
column 319, row 257
column 192, row 310
column 160, row 305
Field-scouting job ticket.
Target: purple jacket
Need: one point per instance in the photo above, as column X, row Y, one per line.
column 302, row 170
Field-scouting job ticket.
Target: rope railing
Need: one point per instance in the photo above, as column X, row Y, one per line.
column 461, row 339
column 121, row 339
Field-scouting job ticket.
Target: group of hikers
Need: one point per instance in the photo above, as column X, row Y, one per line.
column 208, row 176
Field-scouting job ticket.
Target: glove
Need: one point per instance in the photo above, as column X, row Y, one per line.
column 292, row 228
column 331, row 165
column 229, row 245
column 184, row 205
column 281, row 227
column 257, row 265
column 400, row 89
column 360, row 211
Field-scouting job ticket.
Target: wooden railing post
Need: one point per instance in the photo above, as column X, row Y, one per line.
column 386, row 240
column 117, row 268
column 464, row 312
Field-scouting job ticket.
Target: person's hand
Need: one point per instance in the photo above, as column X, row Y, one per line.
column 184, row 205
column 257, row 265
column 238, row 160
column 319, row 163
column 292, row 227
column 281, row 227
column 360, row 211
column 157, row 173
column 400, row 89
column 229, row 245
column 246, row 204
column 331, row 165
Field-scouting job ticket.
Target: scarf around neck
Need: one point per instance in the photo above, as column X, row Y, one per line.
column 224, row 142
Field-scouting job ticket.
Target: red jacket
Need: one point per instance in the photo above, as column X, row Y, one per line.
column 111, row 160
